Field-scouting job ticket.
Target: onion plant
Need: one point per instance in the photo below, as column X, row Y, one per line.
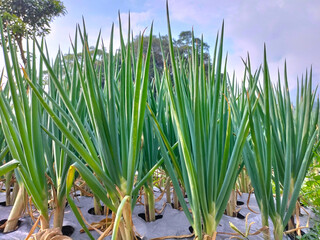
column 151, row 154
column 58, row 161
column 160, row 111
column 22, row 129
column 210, row 152
column 4, row 150
column 280, row 147
column 3, row 146
column 35, row 152
column 109, row 139
column 158, row 103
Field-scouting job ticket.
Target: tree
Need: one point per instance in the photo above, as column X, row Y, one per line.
column 183, row 45
column 156, row 50
column 29, row 17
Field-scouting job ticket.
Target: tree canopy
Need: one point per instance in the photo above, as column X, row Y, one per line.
column 182, row 45
column 28, row 17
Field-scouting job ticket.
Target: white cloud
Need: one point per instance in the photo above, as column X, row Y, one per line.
column 290, row 29
column 63, row 30
column 61, row 33
column 139, row 22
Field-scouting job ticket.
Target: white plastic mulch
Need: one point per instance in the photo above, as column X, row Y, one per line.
column 173, row 222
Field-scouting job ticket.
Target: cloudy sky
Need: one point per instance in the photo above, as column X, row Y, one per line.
column 290, row 29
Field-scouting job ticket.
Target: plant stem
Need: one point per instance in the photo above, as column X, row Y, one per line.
column 8, row 177
column 149, row 202
column 14, row 193
column 59, row 214
column 126, row 224
column 146, row 205
column 168, row 193
column 266, row 233
column 151, row 206
column 44, row 221
column 210, row 225
column 17, row 210
column 97, row 205
column 278, row 229
column 175, row 200
column 232, row 204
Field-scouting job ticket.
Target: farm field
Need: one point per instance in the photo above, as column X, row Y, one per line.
column 107, row 142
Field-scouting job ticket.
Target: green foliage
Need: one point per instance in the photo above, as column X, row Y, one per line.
column 18, row 27
column 21, row 125
column 210, row 153
column 30, row 17
column 310, row 191
column 182, row 46
column 92, row 119
column 282, row 144
column 312, row 234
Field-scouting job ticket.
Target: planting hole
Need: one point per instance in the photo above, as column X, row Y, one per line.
column 191, row 228
column 4, row 189
column 143, row 216
column 91, row 211
column 172, row 205
column 240, row 216
column 239, row 203
column 67, row 230
column 2, row 225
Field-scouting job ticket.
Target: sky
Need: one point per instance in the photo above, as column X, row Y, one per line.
column 289, row 28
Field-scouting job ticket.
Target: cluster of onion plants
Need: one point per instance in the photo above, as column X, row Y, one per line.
column 40, row 165
column 210, row 152
column 285, row 149
column 108, row 139
column 22, row 130
column 100, row 117
column 280, row 146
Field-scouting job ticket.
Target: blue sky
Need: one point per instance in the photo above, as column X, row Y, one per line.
column 290, row 29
